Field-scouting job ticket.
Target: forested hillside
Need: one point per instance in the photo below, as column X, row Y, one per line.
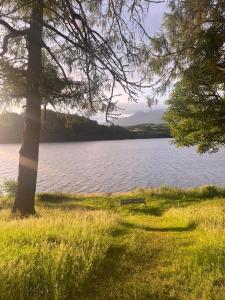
column 59, row 127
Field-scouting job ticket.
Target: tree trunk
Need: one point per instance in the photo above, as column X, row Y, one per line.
column 28, row 161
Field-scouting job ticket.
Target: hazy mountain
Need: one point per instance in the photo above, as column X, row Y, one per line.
column 141, row 117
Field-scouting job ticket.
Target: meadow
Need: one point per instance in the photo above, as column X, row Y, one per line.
column 91, row 247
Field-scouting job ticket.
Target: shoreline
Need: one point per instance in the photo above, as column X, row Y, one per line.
column 94, row 140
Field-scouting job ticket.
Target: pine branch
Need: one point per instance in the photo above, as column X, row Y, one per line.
column 11, row 35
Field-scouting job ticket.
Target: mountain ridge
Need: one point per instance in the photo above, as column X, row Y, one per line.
column 142, row 117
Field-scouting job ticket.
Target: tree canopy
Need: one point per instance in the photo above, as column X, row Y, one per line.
column 196, row 113
column 189, row 57
column 89, row 48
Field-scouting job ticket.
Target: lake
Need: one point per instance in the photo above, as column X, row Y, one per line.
column 111, row 166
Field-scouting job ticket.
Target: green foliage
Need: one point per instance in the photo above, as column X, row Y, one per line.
column 196, row 109
column 54, row 89
column 183, row 42
column 191, row 53
column 9, row 187
column 88, row 48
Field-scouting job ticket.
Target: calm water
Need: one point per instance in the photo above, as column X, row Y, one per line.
column 109, row 166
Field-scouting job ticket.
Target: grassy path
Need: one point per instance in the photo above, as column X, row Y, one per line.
column 172, row 249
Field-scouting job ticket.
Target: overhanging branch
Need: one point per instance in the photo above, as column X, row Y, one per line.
column 12, row 34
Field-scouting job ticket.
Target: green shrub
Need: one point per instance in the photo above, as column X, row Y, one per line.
column 211, row 191
column 9, row 187
column 53, row 197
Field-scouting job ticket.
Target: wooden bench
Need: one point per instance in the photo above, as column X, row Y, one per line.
column 132, row 201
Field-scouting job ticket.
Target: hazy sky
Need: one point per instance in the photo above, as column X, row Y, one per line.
column 152, row 24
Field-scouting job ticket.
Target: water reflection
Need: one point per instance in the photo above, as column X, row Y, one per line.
column 109, row 166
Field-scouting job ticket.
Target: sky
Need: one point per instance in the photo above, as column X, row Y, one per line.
column 152, row 24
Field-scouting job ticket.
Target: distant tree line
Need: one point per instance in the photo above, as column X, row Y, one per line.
column 150, row 130
column 59, row 127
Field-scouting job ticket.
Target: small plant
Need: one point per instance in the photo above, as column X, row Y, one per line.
column 210, row 191
column 9, row 187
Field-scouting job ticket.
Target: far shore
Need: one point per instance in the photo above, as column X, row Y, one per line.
column 94, row 140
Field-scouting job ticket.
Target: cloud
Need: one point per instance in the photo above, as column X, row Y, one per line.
column 129, row 108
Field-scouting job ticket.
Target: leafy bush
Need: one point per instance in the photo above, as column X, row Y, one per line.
column 211, row 191
column 9, row 187
column 53, row 197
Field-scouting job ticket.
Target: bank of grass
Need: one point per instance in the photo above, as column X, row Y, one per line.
column 89, row 247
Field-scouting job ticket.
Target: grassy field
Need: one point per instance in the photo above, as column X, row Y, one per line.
column 89, row 247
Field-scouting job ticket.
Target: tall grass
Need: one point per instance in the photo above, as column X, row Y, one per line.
column 181, row 253
column 49, row 257
column 90, row 247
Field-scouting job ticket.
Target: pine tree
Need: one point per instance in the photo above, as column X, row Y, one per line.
column 69, row 52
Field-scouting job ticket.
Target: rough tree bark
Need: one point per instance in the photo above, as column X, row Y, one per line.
column 28, row 161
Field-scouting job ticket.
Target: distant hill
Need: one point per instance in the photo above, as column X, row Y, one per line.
column 61, row 127
column 141, row 117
